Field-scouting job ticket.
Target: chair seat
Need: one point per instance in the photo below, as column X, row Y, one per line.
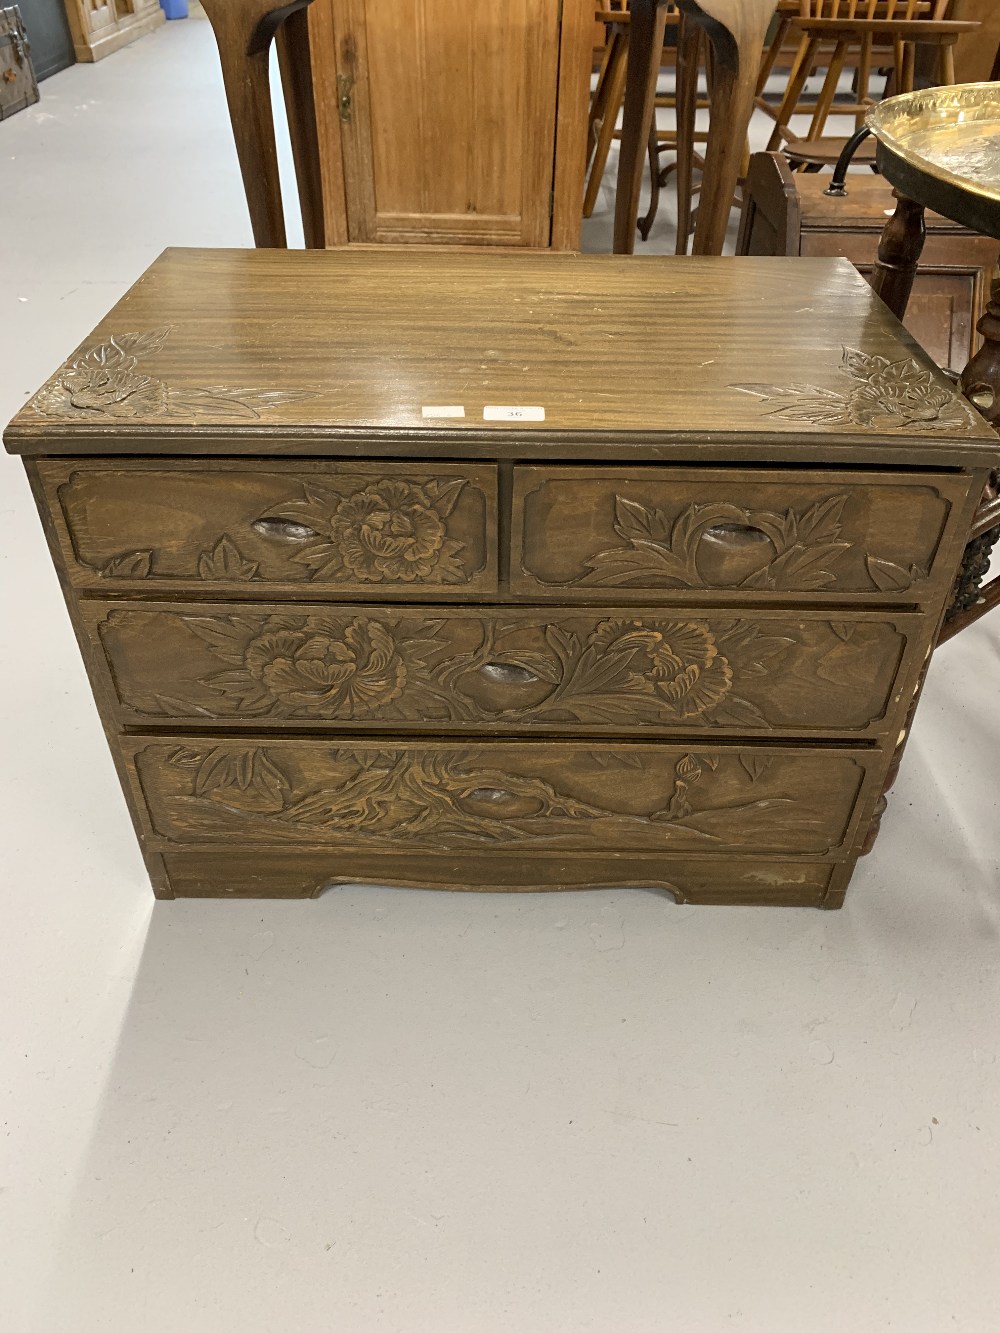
column 824, row 152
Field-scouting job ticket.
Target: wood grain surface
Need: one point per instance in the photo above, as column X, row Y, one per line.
column 244, row 351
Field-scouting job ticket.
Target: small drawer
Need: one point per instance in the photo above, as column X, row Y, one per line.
column 700, row 533
column 507, row 669
column 207, row 872
column 390, row 528
column 526, row 796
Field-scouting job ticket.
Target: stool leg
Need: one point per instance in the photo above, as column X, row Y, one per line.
column 899, row 253
column 606, row 114
column 688, row 49
column 245, row 75
column 645, row 224
column 647, row 27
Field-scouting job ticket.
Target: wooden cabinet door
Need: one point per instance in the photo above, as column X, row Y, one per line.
column 447, row 117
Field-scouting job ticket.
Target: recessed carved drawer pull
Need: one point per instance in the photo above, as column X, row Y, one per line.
column 508, row 673
column 495, row 795
column 284, row 529
column 736, row 534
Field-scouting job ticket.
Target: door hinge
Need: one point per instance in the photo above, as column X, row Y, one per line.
column 345, row 87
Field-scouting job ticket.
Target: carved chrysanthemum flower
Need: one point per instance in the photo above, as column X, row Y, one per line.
column 678, row 662
column 358, row 671
column 387, row 531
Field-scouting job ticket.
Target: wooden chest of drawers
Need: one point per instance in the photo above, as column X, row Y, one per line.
column 503, row 573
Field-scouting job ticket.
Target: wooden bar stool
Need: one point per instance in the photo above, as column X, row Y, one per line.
column 736, row 30
column 244, row 30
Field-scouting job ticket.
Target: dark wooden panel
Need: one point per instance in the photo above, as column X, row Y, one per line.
column 433, row 797
column 388, row 528
column 583, row 531
column 504, row 670
column 208, row 873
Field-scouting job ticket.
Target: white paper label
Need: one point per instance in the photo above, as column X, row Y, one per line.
column 513, row 413
column 454, row 410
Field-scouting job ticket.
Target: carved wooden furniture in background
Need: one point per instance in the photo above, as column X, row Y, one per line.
column 736, row 30
column 102, row 26
column 415, row 120
column 792, row 214
column 383, row 571
column 941, row 150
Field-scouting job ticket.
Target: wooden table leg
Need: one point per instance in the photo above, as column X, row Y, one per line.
column 737, row 32
column 981, row 377
column 899, row 253
column 646, row 29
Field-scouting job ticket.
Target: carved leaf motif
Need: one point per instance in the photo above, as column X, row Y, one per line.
column 737, row 712
column 884, row 395
column 635, row 520
column 887, row 576
column 443, row 495
column 843, row 629
column 755, row 763
column 225, row 562
column 141, row 344
column 130, row 565
column 800, row 567
column 250, row 771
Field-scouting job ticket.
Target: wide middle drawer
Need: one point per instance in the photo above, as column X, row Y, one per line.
column 508, row 669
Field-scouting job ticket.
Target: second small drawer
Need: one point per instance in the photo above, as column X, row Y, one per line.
column 701, row 534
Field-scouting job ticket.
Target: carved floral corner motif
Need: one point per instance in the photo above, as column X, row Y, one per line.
column 106, row 380
column 882, row 395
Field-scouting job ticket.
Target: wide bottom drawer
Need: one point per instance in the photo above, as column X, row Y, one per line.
column 578, row 798
column 210, row 873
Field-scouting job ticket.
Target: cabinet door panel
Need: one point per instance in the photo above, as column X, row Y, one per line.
column 448, row 135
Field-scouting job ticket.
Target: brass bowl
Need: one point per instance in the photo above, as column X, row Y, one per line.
column 941, row 147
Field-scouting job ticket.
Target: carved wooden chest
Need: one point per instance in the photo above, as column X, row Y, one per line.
column 503, row 572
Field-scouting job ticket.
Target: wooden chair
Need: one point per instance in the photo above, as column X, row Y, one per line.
column 606, row 104
column 858, row 35
column 244, row 30
column 736, row 30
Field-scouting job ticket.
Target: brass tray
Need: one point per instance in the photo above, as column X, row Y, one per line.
column 941, row 147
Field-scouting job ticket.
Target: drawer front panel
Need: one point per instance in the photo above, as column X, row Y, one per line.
column 579, row 532
column 503, row 669
column 284, row 873
column 349, row 528
column 426, row 797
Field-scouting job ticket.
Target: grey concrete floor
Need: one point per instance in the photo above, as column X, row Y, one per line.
column 395, row 1110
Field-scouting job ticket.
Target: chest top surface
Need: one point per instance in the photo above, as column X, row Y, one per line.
column 273, row 352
